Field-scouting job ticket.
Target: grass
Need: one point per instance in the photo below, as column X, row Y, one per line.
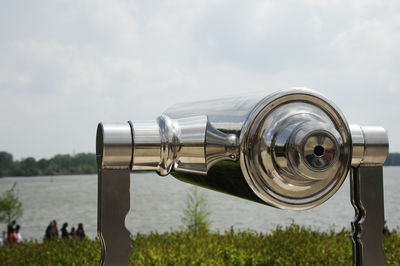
column 293, row 245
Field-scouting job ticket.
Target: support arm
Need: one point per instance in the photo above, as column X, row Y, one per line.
column 370, row 148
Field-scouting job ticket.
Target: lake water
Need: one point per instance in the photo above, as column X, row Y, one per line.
column 157, row 204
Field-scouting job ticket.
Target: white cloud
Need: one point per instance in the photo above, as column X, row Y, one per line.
column 115, row 18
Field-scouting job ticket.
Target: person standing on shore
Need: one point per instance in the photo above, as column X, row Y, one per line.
column 64, row 231
column 52, row 230
column 47, row 233
column 72, row 233
column 10, row 228
column 80, row 232
column 12, row 237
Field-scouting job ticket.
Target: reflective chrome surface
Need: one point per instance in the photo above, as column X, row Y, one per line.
column 295, row 149
column 357, row 137
column 114, row 145
column 188, row 144
column 295, row 146
column 370, row 145
column 114, row 156
column 376, row 145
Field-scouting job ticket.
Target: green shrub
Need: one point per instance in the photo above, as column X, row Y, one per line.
column 293, row 245
column 196, row 213
column 10, row 206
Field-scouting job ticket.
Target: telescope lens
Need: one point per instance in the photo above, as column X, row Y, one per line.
column 319, row 151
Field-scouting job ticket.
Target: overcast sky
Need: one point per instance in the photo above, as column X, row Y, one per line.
column 66, row 65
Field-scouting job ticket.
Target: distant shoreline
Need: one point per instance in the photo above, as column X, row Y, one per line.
column 60, row 164
column 78, row 164
column 393, row 159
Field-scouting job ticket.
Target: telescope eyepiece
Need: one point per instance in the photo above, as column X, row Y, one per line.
column 303, row 153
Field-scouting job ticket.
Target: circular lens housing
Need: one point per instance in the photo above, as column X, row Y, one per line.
column 295, row 149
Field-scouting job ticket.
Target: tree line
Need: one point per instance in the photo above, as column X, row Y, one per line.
column 81, row 163
column 393, row 159
column 60, row 164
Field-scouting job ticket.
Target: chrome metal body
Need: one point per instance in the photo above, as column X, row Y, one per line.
column 189, row 144
column 277, row 136
column 290, row 150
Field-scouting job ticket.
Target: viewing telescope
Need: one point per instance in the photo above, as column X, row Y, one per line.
column 290, row 150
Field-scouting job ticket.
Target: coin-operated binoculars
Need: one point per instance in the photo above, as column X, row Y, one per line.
column 290, row 150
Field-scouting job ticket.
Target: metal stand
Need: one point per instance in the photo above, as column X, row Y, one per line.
column 367, row 200
column 114, row 157
column 370, row 149
column 113, row 206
